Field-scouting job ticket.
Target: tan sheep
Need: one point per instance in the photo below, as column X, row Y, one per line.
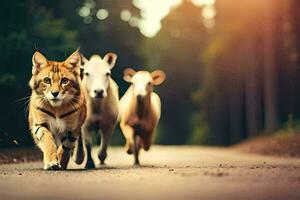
column 140, row 110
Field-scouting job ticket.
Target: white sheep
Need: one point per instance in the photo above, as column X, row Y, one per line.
column 140, row 110
column 102, row 96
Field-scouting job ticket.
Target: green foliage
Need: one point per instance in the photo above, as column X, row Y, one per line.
column 51, row 33
column 28, row 26
column 200, row 133
column 7, row 79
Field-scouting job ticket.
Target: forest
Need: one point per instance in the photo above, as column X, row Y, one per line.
column 232, row 66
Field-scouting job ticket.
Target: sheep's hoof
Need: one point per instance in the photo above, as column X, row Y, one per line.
column 136, row 163
column 102, row 156
column 102, row 162
column 79, row 156
column 90, row 165
column 129, row 151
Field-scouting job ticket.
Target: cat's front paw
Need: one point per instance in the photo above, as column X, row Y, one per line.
column 52, row 165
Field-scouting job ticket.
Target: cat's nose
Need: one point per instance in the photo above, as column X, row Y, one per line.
column 55, row 94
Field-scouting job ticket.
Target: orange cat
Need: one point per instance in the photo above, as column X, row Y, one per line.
column 57, row 109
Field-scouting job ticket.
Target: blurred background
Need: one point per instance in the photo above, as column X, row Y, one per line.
column 232, row 66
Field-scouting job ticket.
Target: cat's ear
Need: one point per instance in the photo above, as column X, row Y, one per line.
column 73, row 61
column 83, row 59
column 39, row 61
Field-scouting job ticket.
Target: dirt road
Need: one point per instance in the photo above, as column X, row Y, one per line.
column 167, row 173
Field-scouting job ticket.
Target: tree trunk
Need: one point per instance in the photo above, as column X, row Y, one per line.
column 270, row 94
column 252, row 85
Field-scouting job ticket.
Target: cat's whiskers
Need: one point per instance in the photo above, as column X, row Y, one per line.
column 70, row 103
column 24, row 98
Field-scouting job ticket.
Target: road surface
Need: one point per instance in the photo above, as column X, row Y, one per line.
column 168, row 172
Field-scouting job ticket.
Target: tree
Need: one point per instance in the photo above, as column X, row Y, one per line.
column 175, row 49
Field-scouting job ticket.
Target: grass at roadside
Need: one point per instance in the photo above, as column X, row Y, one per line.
column 282, row 143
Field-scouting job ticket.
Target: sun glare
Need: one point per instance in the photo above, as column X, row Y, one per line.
column 102, row 14
column 203, row 2
column 208, row 12
column 154, row 11
column 125, row 15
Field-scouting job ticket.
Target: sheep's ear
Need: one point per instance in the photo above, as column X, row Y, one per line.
column 110, row 58
column 73, row 61
column 38, row 62
column 158, row 77
column 83, row 60
column 128, row 74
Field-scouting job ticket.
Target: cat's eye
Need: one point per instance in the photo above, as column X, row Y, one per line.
column 149, row 83
column 64, row 80
column 86, row 74
column 107, row 74
column 47, row 80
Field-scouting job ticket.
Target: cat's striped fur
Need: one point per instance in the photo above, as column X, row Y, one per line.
column 57, row 108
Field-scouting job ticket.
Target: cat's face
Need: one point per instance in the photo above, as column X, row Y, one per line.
column 56, row 82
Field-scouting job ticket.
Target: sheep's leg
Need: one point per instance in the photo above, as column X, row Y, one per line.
column 146, row 143
column 89, row 162
column 147, row 140
column 79, row 151
column 88, row 145
column 105, row 137
column 136, row 149
column 128, row 133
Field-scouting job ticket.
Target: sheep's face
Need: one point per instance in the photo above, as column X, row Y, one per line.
column 96, row 75
column 143, row 81
column 142, row 84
